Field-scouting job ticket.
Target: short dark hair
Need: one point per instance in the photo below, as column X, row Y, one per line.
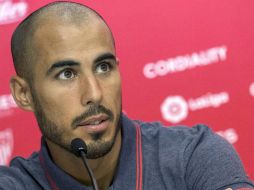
column 21, row 42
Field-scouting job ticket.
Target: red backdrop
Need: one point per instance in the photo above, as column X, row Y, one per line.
column 182, row 62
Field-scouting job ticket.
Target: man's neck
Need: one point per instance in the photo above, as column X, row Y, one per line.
column 103, row 168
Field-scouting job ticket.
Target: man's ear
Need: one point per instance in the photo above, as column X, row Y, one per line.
column 21, row 93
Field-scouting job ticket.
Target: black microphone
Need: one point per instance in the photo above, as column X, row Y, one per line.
column 79, row 148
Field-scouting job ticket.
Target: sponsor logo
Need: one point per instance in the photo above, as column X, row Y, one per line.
column 208, row 100
column 12, row 11
column 175, row 108
column 7, row 104
column 185, row 62
column 229, row 134
column 6, row 146
column 252, row 89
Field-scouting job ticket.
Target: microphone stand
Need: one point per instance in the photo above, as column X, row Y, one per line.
column 94, row 183
column 79, row 148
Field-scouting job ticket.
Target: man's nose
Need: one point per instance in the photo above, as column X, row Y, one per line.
column 91, row 90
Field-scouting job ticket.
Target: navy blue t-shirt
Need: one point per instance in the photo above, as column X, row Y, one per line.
column 152, row 158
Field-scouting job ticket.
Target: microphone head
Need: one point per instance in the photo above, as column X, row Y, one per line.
column 77, row 146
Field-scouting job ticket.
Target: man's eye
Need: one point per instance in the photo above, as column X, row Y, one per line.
column 66, row 74
column 103, row 68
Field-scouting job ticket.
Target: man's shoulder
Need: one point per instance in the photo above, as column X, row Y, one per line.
column 175, row 133
column 19, row 164
column 188, row 142
column 197, row 153
column 21, row 173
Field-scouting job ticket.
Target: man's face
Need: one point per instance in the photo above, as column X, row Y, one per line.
column 76, row 85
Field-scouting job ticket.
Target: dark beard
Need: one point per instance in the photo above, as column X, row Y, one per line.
column 98, row 148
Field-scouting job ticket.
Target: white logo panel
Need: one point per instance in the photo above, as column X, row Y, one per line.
column 230, row 135
column 12, row 11
column 6, row 146
column 185, row 62
column 252, row 89
column 7, row 104
column 175, row 109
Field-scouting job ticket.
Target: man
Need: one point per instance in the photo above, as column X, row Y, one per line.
column 68, row 75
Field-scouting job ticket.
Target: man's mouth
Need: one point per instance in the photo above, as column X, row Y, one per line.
column 97, row 123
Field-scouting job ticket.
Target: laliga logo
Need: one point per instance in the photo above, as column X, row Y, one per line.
column 6, row 146
column 12, row 12
column 175, row 108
